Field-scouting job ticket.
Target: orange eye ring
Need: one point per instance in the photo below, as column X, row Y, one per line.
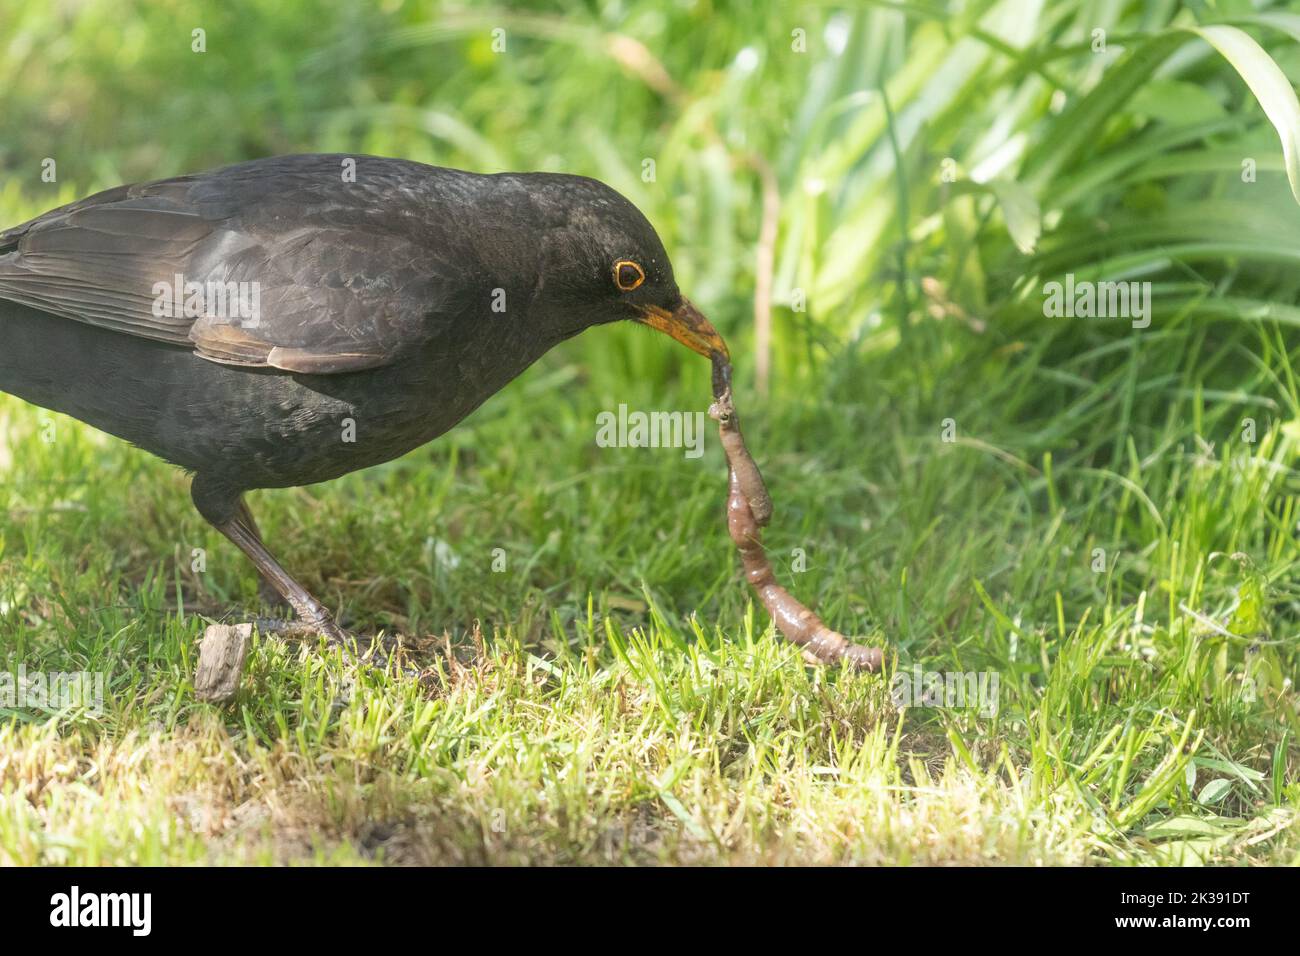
column 628, row 275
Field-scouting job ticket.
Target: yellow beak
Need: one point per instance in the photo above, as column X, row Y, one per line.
column 687, row 326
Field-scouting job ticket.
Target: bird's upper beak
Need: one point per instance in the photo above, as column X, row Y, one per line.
column 686, row 325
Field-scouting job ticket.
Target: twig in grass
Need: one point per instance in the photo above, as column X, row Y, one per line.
column 224, row 650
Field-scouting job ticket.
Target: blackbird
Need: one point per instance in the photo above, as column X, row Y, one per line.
column 288, row 320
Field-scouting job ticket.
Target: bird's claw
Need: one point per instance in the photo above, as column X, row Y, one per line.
column 306, row 629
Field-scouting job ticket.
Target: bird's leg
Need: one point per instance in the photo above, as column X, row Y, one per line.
column 225, row 510
column 310, row 611
column 266, row 590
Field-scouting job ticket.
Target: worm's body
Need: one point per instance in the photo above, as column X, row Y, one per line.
column 748, row 508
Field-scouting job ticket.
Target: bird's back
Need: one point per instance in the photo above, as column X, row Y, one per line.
column 374, row 310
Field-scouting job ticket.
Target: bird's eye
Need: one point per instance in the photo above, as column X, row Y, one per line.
column 628, row 275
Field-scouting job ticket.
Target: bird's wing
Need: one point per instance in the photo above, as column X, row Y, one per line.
column 295, row 269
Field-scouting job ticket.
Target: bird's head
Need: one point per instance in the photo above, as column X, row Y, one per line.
column 601, row 261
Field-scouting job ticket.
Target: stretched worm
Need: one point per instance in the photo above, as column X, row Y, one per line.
column 747, row 500
column 742, row 463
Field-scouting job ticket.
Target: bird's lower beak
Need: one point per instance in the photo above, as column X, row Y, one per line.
column 686, row 325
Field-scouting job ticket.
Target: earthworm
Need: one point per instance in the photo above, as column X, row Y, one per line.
column 748, row 507
column 742, row 463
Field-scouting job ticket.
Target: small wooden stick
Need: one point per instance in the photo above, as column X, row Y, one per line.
column 224, row 648
column 221, row 661
column 747, row 500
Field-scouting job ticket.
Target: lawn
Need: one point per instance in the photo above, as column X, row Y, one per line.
column 1091, row 521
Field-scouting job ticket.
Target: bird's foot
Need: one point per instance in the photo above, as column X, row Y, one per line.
column 382, row 653
column 307, row 629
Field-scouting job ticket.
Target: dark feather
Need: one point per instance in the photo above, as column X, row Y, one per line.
column 346, row 282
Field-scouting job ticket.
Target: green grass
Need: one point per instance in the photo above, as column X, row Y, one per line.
column 1106, row 532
